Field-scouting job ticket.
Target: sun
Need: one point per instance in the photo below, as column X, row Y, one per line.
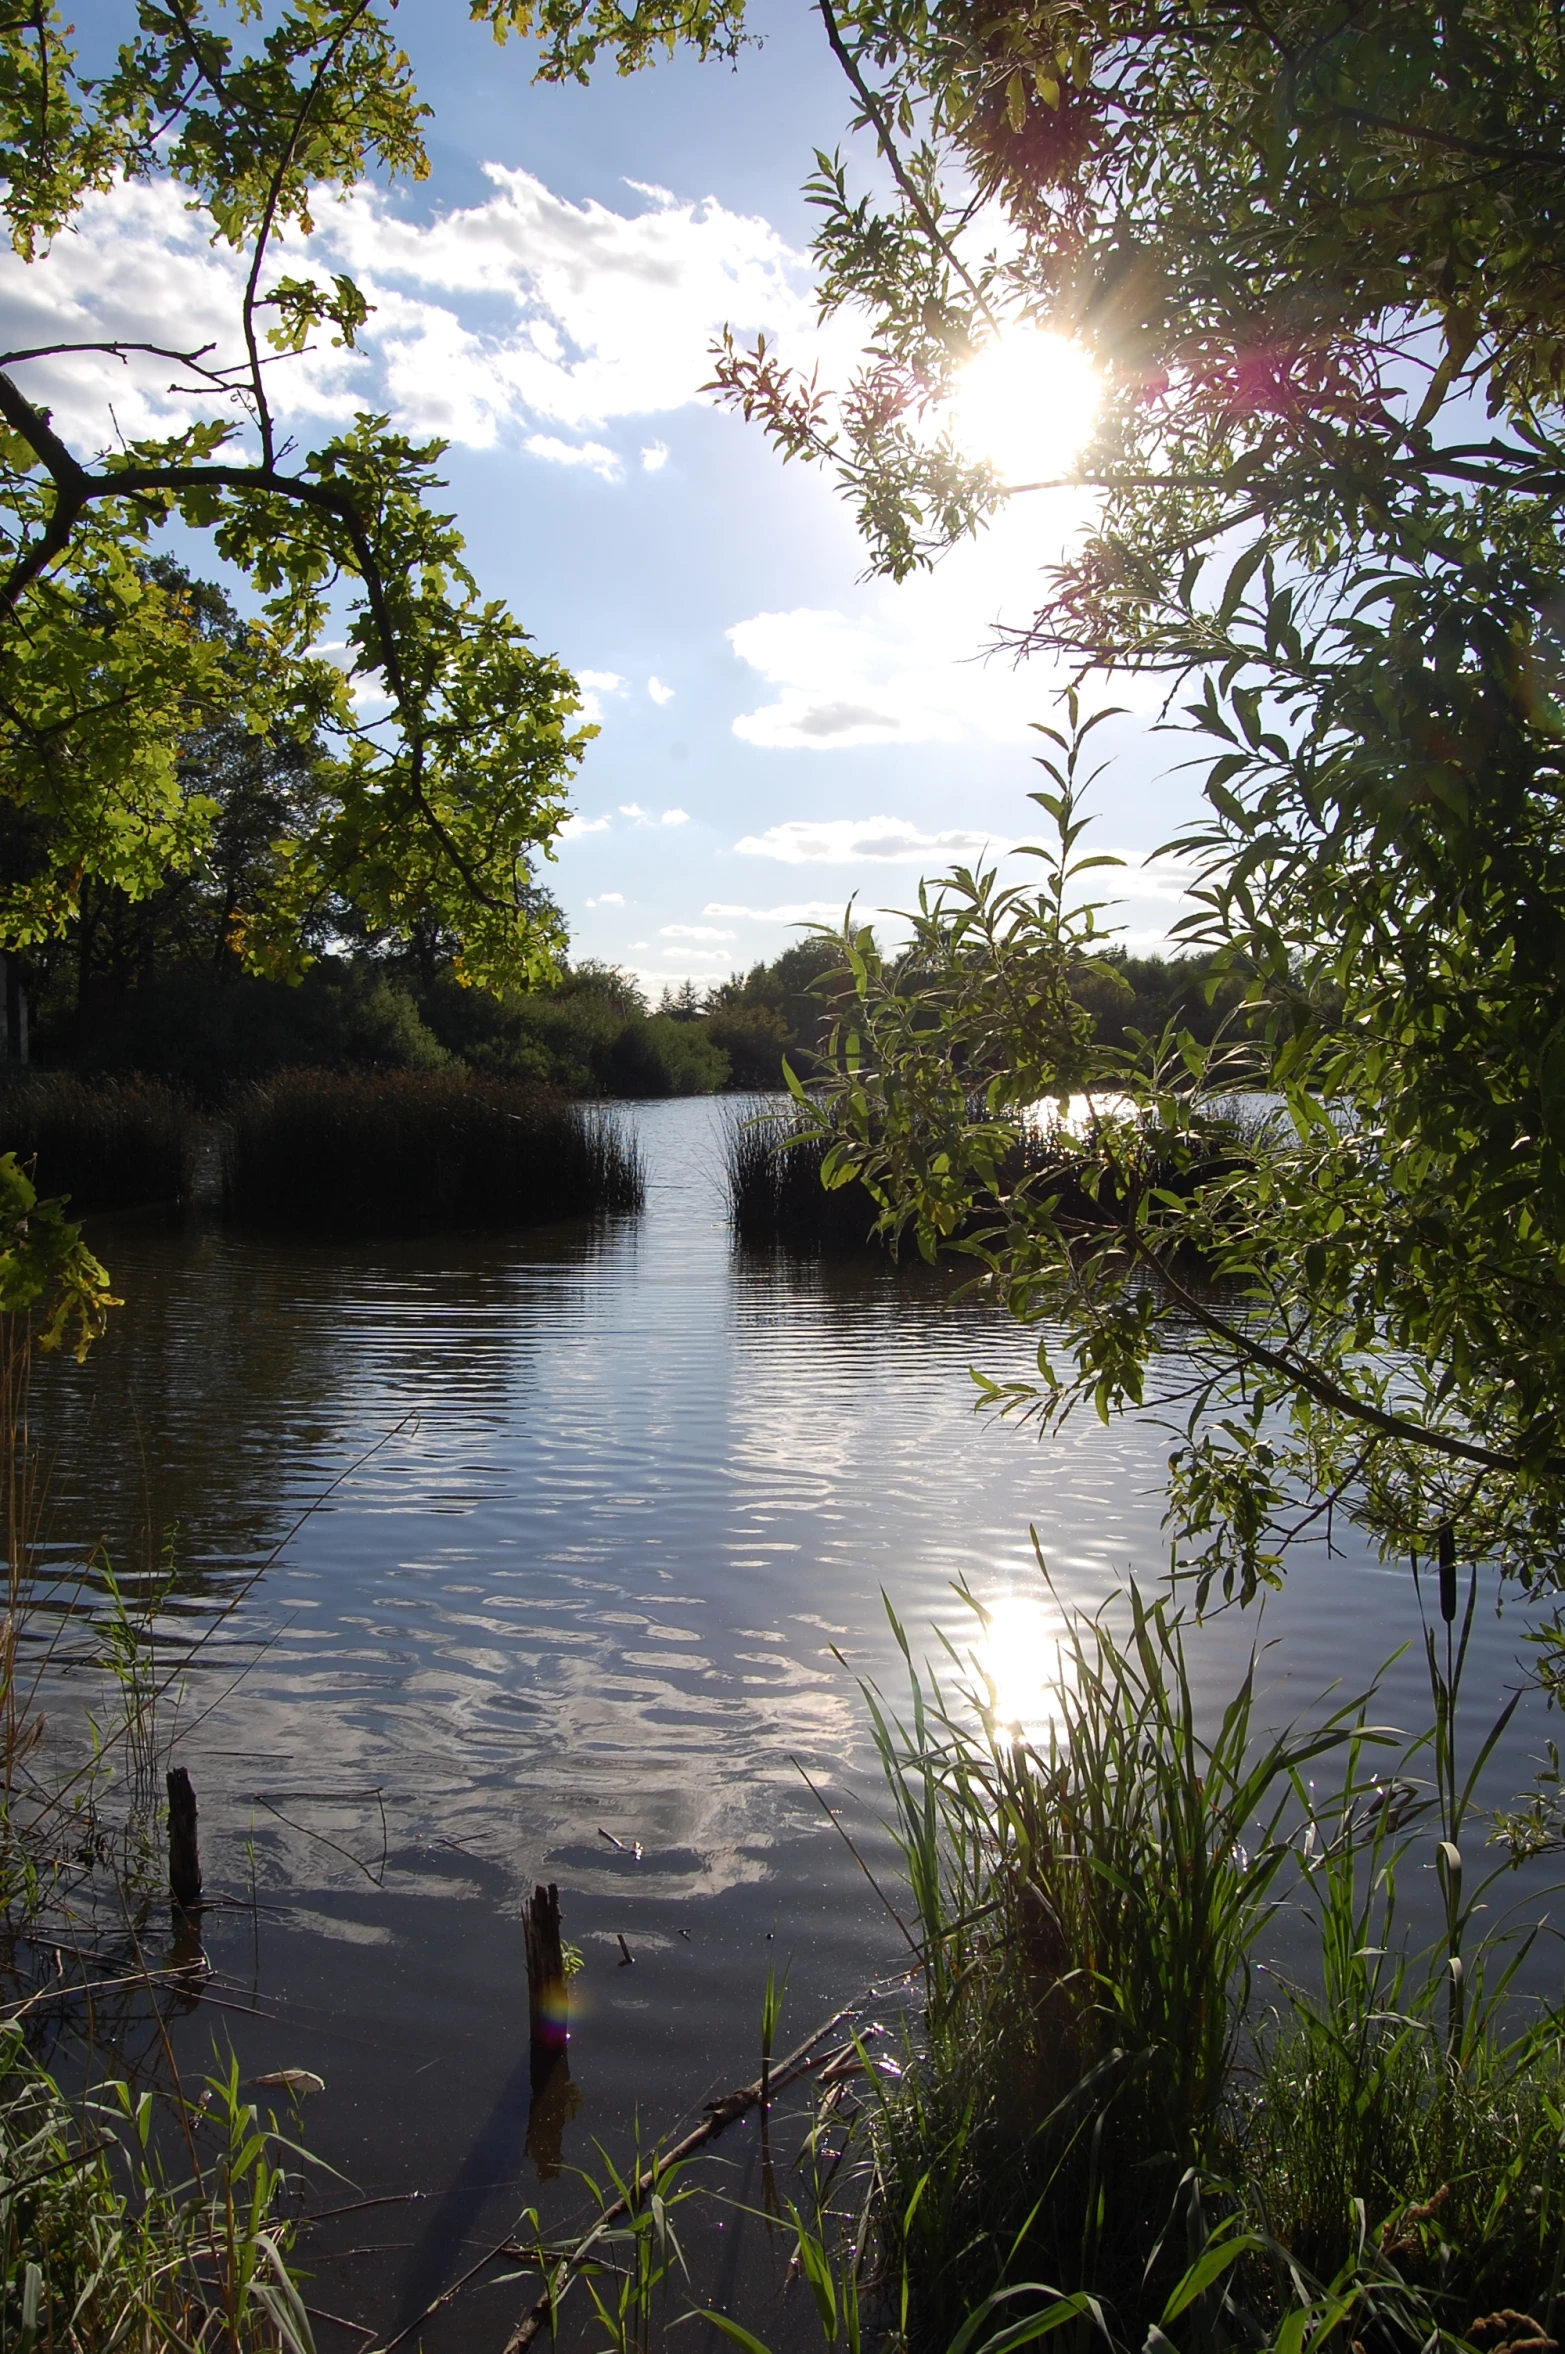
column 1028, row 403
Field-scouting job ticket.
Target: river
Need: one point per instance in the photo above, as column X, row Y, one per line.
column 564, row 1539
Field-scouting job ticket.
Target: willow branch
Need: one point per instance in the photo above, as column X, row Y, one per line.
column 876, row 114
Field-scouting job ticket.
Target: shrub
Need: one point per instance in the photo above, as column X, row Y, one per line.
column 558, row 1038
column 755, row 1038
column 107, row 1144
column 590, row 1036
column 664, row 1056
column 373, row 1152
column 213, row 1036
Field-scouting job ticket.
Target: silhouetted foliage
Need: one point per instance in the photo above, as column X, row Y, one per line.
column 388, row 1152
column 107, row 1145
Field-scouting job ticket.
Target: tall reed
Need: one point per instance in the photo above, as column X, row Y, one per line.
column 1097, row 2103
column 774, row 1163
column 395, row 1151
column 109, row 1144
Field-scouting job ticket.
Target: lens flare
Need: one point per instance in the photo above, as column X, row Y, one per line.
column 1028, row 403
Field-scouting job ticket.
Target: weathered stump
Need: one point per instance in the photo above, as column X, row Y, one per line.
column 184, row 1853
column 548, row 2004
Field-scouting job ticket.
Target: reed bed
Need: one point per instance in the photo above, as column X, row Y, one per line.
column 773, row 1164
column 400, row 1151
column 1107, row 2101
column 107, row 1144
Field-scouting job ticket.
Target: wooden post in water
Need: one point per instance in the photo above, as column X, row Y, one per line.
column 184, row 1854
column 548, row 2022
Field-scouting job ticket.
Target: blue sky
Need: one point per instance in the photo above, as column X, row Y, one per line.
column 776, row 733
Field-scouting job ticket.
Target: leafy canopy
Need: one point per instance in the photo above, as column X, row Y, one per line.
column 431, row 764
column 442, row 744
column 1315, row 252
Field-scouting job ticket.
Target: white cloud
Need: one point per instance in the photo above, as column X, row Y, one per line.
column 905, row 665
column 612, row 312
column 653, row 460
column 594, row 684
column 608, row 899
column 659, row 692
column 1162, row 878
column 796, row 911
column 850, row 841
column 1140, row 895
column 135, row 262
column 645, row 817
column 591, row 454
column 523, row 318
column 693, row 932
column 576, row 826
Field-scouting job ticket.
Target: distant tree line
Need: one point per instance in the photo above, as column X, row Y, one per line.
column 169, row 1010
column 163, row 980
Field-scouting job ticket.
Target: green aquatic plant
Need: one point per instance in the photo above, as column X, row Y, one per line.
column 105, row 1144
column 105, row 2245
column 1094, row 2097
column 1087, row 1903
column 772, row 1998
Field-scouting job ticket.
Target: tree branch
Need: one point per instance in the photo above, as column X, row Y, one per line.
column 75, row 488
column 875, row 113
column 70, row 491
column 1300, row 1374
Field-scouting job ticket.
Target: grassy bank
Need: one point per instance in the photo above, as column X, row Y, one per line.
column 398, row 1151
column 110, row 1144
column 102, row 2246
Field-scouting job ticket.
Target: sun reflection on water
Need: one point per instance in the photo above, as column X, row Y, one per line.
column 1019, row 1653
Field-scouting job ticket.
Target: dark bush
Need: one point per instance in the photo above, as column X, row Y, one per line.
column 107, row 1143
column 590, row 1036
column 755, row 1038
column 395, row 1151
column 214, row 1036
column 662, row 1056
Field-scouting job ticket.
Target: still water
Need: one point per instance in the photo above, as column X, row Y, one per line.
column 569, row 1538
